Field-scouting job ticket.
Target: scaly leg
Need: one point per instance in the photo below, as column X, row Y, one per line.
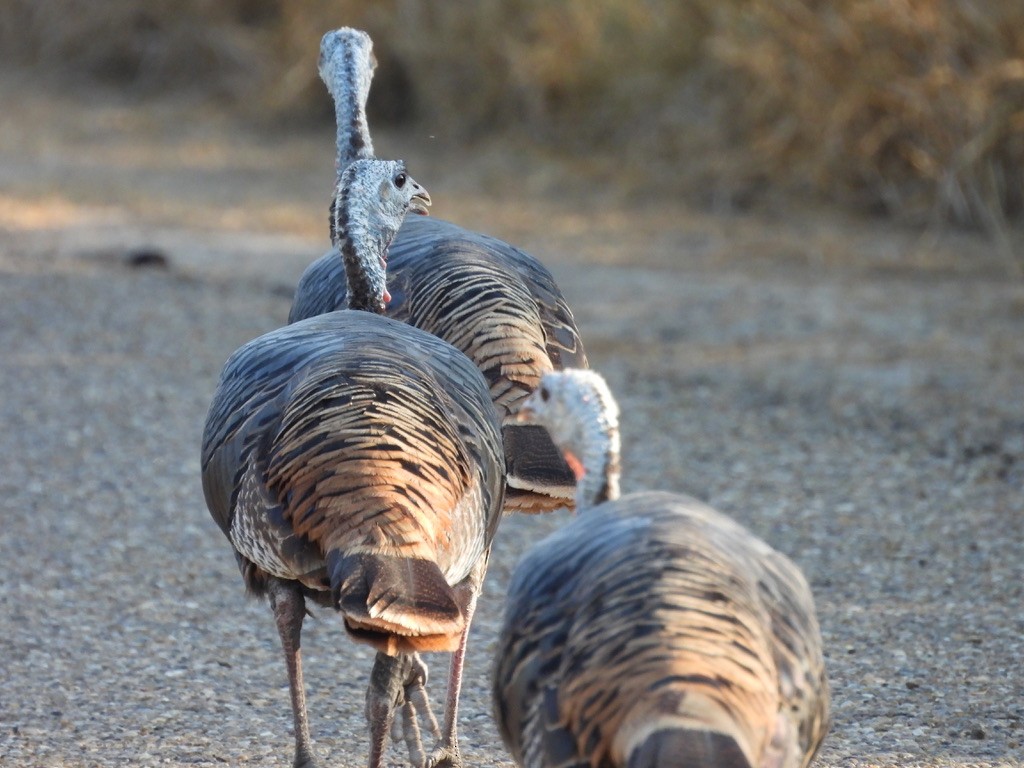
column 289, row 608
column 446, row 753
column 414, row 706
column 382, row 697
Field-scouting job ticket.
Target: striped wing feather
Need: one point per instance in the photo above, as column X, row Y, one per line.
column 652, row 626
column 497, row 305
column 357, row 454
column 423, row 238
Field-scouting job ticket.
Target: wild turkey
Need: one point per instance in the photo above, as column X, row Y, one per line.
column 496, row 303
column 356, row 461
column 651, row 630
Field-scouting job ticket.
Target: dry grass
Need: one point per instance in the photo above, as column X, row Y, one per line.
column 147, row 47
column 914, row 108
column 572, row 70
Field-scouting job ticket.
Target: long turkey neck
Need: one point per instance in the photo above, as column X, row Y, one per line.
column 599, row 454
column 350, row 92
column 358, row 248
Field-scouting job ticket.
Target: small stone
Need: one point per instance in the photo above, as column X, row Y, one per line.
column 146, row 258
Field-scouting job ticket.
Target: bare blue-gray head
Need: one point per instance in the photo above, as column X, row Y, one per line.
column 578, row 410
column 370, row 203
column 346, row 67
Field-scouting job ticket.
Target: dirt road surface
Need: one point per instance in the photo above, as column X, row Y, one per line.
column 851, row 391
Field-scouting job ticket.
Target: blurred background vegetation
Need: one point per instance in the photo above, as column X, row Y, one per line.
column 912, row 109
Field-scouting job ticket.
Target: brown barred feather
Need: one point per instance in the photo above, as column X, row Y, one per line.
column 652, row 631
column 652, row 621
column 496, row 304
column 354, row 434
column 357, row 461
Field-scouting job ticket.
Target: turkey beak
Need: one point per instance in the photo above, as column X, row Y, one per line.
column 420, row 199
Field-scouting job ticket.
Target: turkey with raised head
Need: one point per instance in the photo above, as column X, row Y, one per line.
column 356, row 462
column 651, row 631
column 496, row 303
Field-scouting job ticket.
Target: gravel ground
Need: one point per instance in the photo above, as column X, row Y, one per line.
column 851, row 394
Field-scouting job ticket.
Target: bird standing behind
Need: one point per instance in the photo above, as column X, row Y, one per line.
column 652, row 631
column 356, row 461
column 496, row 303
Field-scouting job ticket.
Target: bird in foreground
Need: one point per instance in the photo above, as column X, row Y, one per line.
column 651, row 631
column 496, row 303
column 356, row 462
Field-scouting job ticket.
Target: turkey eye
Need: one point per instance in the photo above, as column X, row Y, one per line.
column 400, row 180
column 544, row 394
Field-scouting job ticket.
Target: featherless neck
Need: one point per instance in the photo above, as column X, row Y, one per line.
column 362, row 254
column 364, row 292
column 600, row 459
column 353, row 142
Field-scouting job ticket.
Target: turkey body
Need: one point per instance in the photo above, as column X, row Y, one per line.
column 654, row 631
column 357, row 461
column 350, row 447
column 496, row 304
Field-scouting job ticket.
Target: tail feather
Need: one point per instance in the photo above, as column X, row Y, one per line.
column 395, row 595
column 690, row 747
